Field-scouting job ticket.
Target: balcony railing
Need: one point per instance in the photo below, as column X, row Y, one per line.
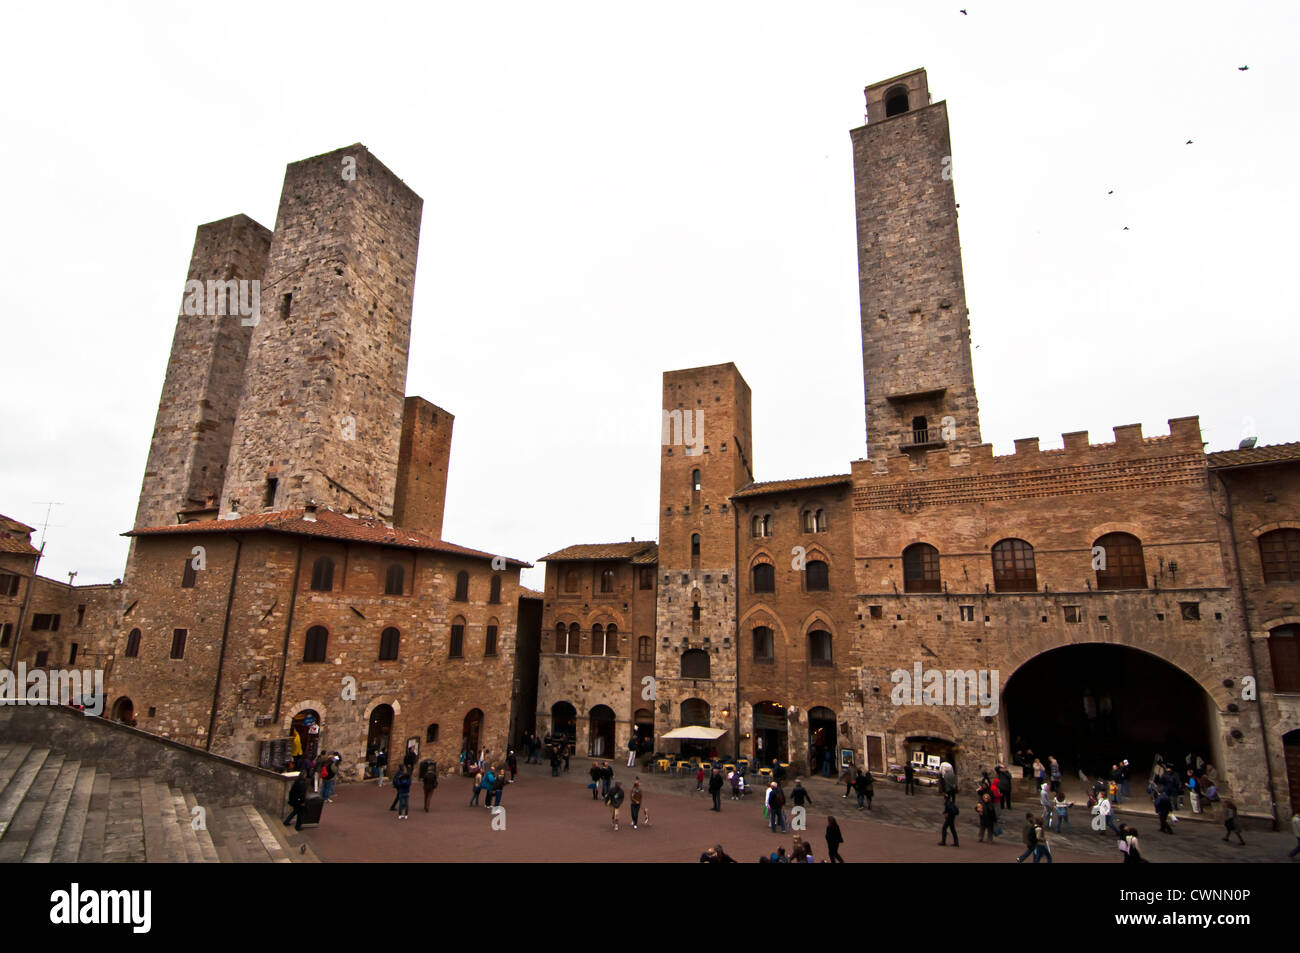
column 928, row 437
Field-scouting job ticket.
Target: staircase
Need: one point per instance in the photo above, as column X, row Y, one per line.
column 61, row 810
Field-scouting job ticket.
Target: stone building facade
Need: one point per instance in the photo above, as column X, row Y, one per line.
column 1096, row 602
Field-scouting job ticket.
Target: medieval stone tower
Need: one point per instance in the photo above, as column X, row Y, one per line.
column 705, row 458
column 205, row 374
column 916, row 356
column 321, row 414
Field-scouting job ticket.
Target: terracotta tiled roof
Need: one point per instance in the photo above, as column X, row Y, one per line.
column 326, row 525
column 781, row 486
column 527, row 593
column 631, row 551
column 14, row 537
column 647, row 557
column 1277, row 453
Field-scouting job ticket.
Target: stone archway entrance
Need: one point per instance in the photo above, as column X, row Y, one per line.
column 822, row 756
column 377, row 738
column 307, row 726
column 602, row 732
column 564, row 722
column 770, row 727
column 1093, row 705
column 124, row 711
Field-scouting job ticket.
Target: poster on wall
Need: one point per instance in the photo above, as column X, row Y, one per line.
column 846, row 757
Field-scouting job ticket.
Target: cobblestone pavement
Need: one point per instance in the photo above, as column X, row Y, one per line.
column 555, row 819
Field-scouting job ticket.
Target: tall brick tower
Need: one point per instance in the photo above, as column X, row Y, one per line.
column 916, row 355
column 422, row 470
column 706, row 457
column 205, row 374
column 321, row 415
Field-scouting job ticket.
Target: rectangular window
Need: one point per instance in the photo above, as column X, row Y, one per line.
column 1191, row 611
column 272, row 484
column 72, row 654
column 8, row 584
column 1072, row 614
column 45, row 622
column 457, row 641
column 286, row 302
column 647, row 577
column 189, row 575
column 490, row 648
column 967, row 613
column 644, row 648
column 42, row 658
column 6, row 632
column 877, row 612
column 178, row 643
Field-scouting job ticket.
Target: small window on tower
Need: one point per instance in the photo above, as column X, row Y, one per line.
column 271, row 485
column 896, row 101
column 286, row 302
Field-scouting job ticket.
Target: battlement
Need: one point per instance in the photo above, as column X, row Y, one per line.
column 1129, row 446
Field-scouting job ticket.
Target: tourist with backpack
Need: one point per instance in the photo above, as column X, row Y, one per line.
column 402, row 785
column 297, row 800
column 615, row 800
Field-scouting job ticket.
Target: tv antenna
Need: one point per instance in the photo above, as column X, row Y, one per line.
column 48, row 507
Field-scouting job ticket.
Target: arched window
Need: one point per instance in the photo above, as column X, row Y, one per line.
column 313, row 649
column 611, row 640
column 462, row 586
column 695, row 711
column 394, row 580
column 644, row 649
column 695, row 550
column 695, row 480
column 561, row 638
column 597, row 639
column 921, row 568
column 817, row 575
column 896, row 101
column 575, row 639
column 1121, row 554
column 764, row 577
column 819, row 647
column 695, row 664
column 133, row 644
column 490, row 638
column 571, row 580
column 322, row 574
column 756, row 526
column 456, row 644
column 1013, row 566
column 189, row 575
column 764, row 645
column 607, row 580
column 819, row 521
column 807, row 521
column 388, row 640
column 1279, row 551
column 1284, row 653
column 494, row 591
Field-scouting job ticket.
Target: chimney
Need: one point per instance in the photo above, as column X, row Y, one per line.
column 309, row 512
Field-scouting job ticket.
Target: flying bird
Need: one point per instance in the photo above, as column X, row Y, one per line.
column 1189, row 142
column 1126, row 228
column 1240, row 68
column 964, row 13
column 1111, row 192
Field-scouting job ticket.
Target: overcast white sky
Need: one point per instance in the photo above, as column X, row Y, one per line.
column 613, row 190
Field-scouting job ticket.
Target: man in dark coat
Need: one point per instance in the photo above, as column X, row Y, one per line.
column 430, row 783
column 949, row 822
column 715, row 789
column 1029, row 836
column 297, row 800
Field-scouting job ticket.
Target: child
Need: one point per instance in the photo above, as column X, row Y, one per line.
column 699, row 778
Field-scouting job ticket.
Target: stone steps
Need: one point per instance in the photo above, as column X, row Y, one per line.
column 55, row 809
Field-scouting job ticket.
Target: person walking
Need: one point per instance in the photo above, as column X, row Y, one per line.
column 733, row 777
column 699, row 777
column 949, row 822
column 1041, row 848
column 1039, row 774
column 478, row 786
column 615, row 800
column 430, row 783
column 1004, row 785
column 1054, row 771
column 1103, row 809
column 775, row 804
column 1029, row 837
column 402, row 785
column 555, row 762
column 606, row 778
column 715, row 789
column 1062, row 812
column 909, row 778
column 846, row 779
column 834, row 839
column 512, row 762
column 1045, row 800
column 297, row 801
column 800, row 794
column 631, row 750
column 636, row 801
column 595, row 774
column 1230, row 822
column 1165, row 807
column 489, row 784
column 860, row 785
column 329, row 773
column 498, row 788
column 1295, row 830
column 987, row 811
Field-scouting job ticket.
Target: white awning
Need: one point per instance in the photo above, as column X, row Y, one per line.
column 694, row 733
